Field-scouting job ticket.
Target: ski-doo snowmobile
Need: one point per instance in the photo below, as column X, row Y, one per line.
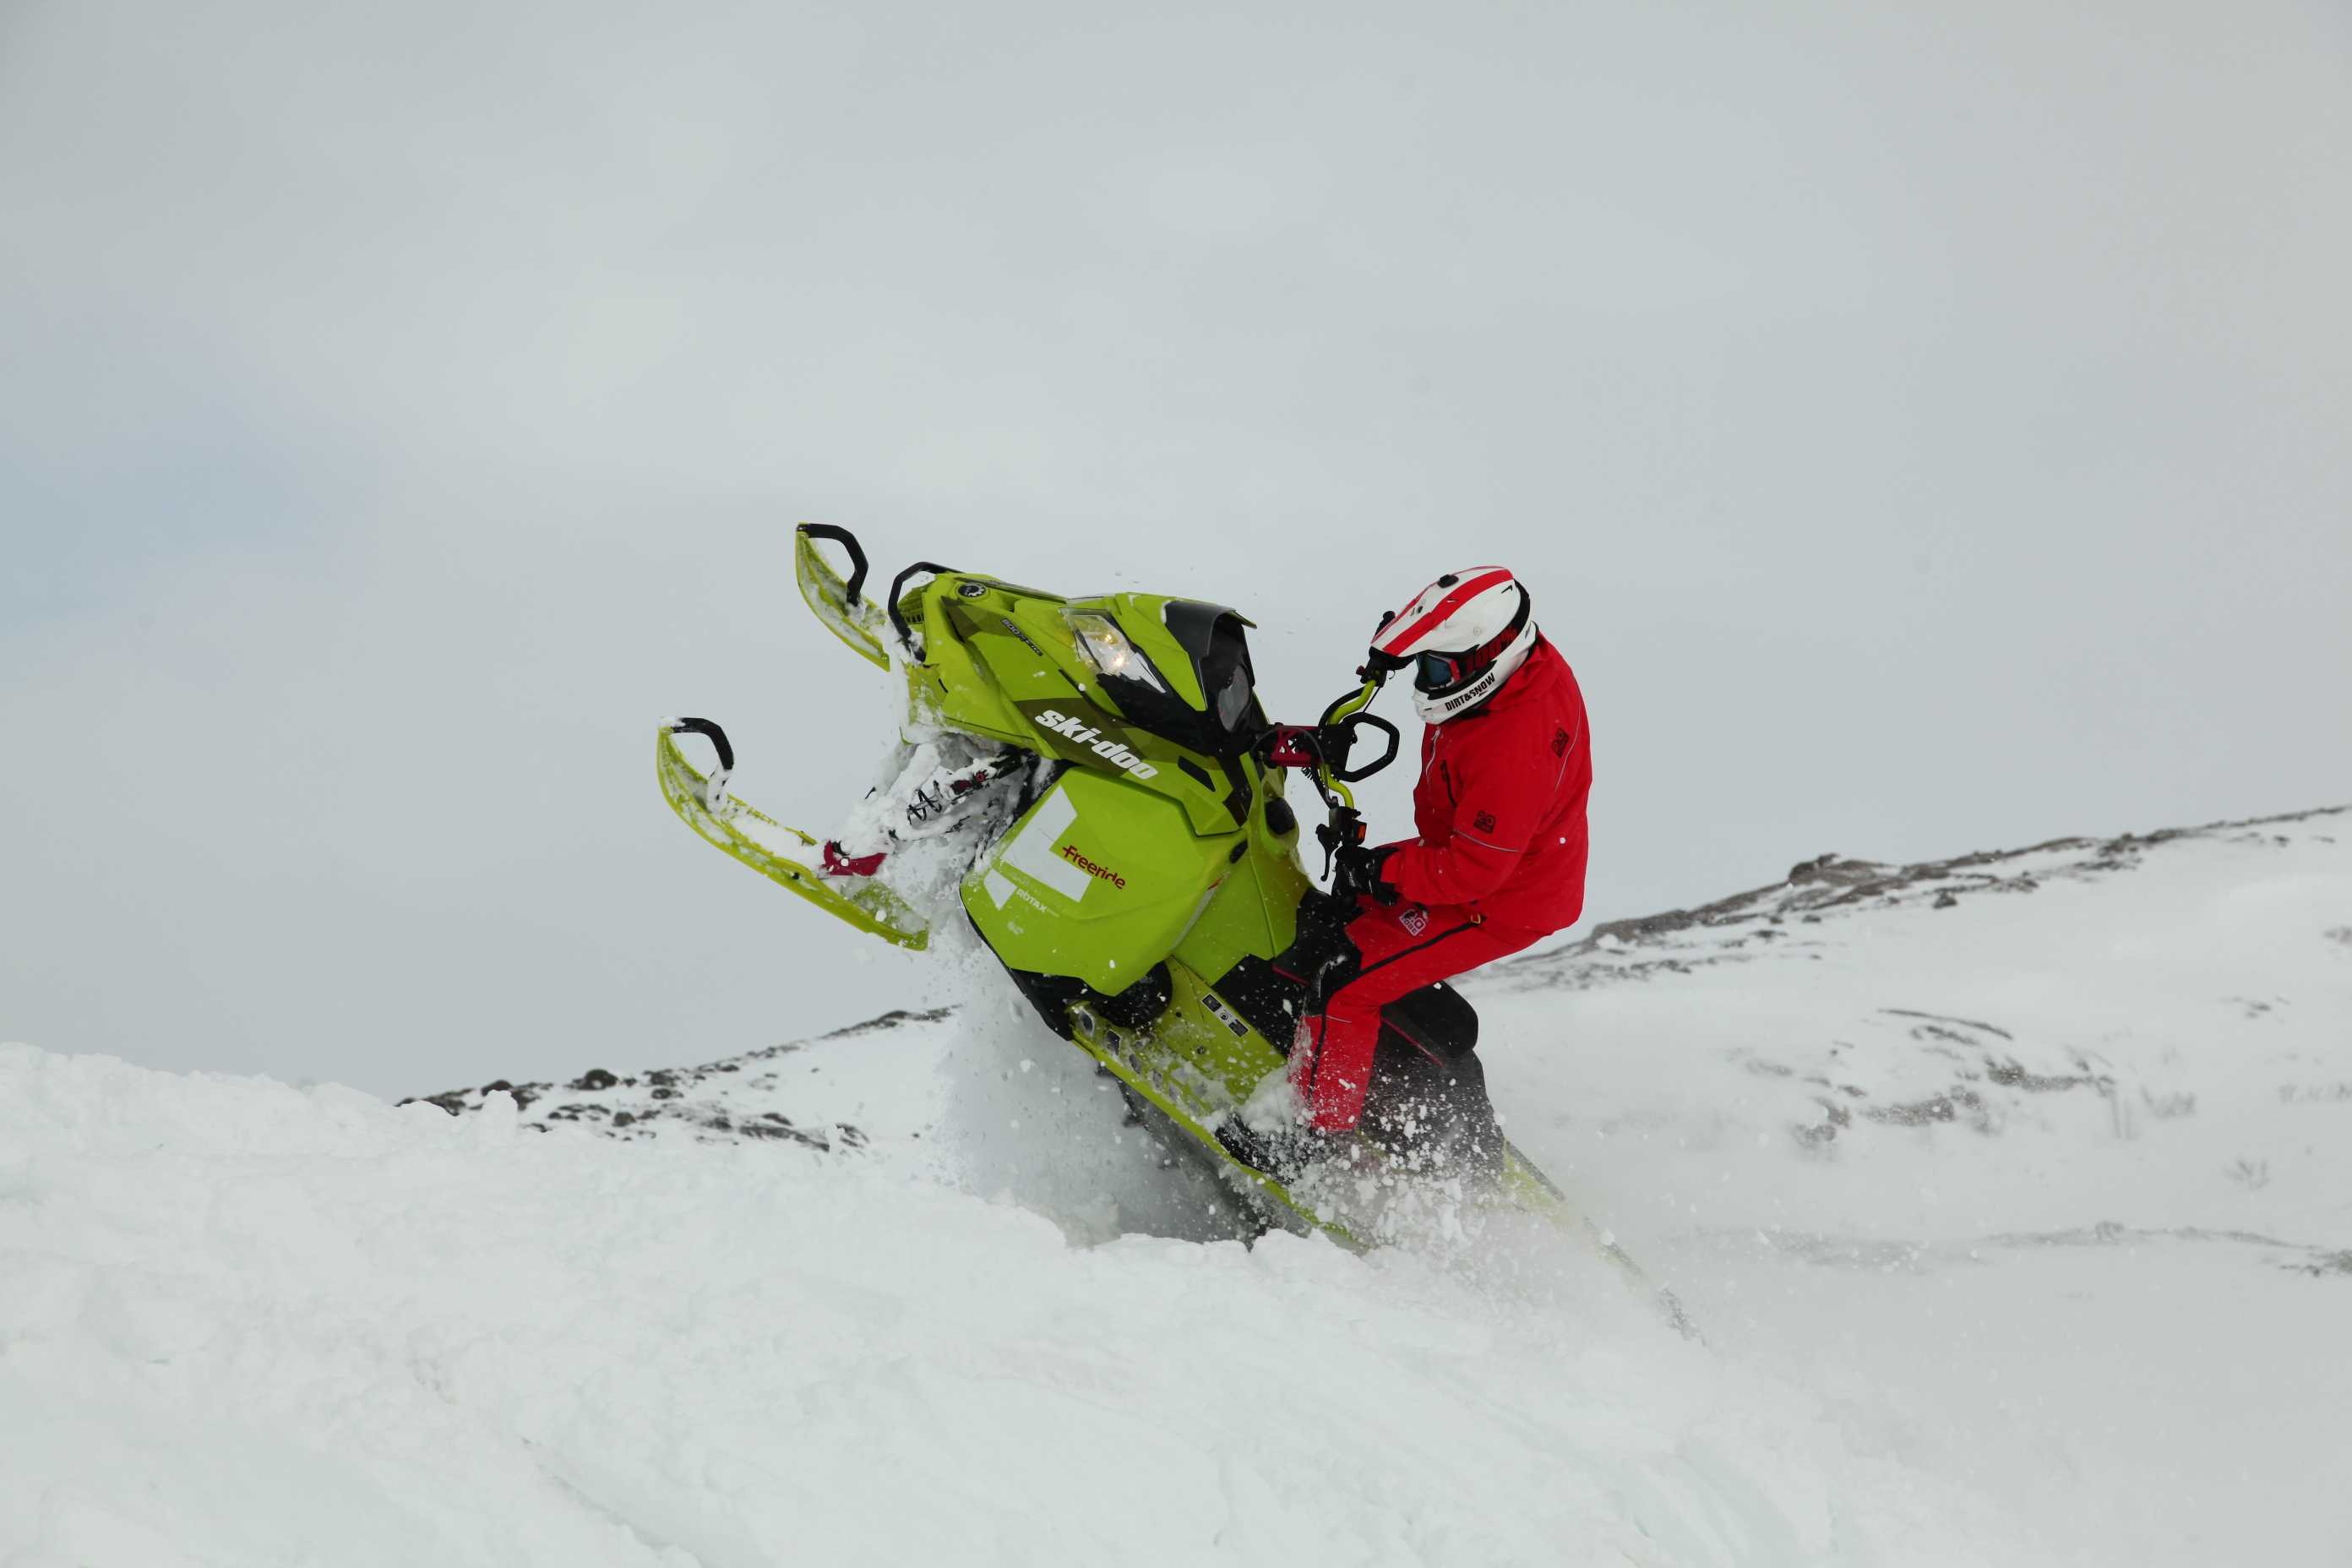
column 1136, row 870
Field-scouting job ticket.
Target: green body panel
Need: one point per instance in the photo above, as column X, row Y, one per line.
column 1255, row 912
column 1246, row 916
column 868, row 906
column 999, row 662
column 858, row 625
column 1098, row 879
column 956, row 685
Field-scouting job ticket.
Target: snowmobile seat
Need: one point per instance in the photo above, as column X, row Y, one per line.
column 1436, row 1020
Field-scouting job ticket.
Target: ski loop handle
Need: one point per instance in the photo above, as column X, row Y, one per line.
column 843, row 537
column 714, row 788
column 898, row 621
column 706, row 727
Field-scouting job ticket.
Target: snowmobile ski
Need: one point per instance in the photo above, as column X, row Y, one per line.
column 840, row 604
column 784, row 855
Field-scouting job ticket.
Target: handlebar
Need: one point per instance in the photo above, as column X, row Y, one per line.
column 1396, row 742
column 1321, row 749
column 1327, row 746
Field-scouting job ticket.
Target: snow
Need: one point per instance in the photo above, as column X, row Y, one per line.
column 2047, row 1190
column 2011, row 1195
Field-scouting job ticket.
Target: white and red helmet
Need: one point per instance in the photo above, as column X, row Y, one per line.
column 1464, row 636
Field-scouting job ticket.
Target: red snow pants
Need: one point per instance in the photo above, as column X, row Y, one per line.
column 1406, row 946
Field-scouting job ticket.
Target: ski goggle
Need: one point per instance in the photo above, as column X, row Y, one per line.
column 1436, row 671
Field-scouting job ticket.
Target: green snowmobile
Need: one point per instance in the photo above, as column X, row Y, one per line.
column 1135, row 868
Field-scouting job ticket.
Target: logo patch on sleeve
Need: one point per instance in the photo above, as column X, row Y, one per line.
column 1559, row 743
column 1485, row 821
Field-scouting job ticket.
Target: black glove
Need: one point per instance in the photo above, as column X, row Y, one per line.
column 1356, row 870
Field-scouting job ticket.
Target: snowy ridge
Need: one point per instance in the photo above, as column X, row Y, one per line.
column 741, row 1096
column 1832, row 885
column 2036, row 1164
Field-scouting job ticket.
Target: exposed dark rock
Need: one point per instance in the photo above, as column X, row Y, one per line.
column 1828, row 884
column 706, row 1098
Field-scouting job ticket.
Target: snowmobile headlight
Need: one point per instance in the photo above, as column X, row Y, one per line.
column 1107, row 648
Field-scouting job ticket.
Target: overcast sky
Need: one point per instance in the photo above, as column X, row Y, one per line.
column 1924, row 427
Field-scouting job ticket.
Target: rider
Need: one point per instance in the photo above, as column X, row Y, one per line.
column 1498, row 861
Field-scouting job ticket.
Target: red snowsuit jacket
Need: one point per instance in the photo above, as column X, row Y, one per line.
column 1500, row 804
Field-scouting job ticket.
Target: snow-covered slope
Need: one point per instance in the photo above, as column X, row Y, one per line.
column 2037, row 1167
column 244, row 1323
column 2014, row 1196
